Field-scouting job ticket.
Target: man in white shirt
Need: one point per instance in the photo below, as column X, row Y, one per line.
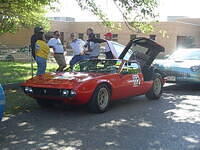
column 109, row 49
column 58, row 49
column 77, row 46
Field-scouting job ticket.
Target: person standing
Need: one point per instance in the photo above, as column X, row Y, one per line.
column 41, row 53
column 93, row 49
column 109, row 49
column 58, row 49
column 77, row 46
column 33, row 39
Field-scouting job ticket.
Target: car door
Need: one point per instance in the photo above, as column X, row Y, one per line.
column 131, row 79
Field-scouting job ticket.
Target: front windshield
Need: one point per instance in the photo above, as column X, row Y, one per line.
column 186, row 55
column 98, row 66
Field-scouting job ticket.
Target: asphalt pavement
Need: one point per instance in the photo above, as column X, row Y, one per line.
column 171, row 123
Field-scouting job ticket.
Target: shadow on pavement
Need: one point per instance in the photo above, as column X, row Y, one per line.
column 181, row 87
column 171, row 123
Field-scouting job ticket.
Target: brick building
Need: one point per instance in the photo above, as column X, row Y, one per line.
column 171, row 34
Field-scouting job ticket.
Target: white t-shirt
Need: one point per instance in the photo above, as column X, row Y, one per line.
column 57, row 45
column 77, row 46
column 110, row 47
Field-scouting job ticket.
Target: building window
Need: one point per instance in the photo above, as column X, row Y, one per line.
column 97, row 36
column 185, row 42
column 152, row 37
column 115, row 37
column 81, row 36
column 133, row 36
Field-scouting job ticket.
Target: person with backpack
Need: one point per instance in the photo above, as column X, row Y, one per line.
column 41, row 53
column 34, row 39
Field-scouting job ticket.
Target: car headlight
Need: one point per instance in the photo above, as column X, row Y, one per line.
column 28, row 89
column 195, row 68
column 73, row 93
column 65, row 92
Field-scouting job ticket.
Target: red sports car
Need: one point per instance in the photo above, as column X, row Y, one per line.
column 96, row 82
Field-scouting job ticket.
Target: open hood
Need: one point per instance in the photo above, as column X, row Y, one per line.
column 143, row 50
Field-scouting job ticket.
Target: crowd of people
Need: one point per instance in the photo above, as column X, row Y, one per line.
column 81, row 49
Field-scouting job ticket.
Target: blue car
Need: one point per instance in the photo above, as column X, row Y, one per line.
column 183, row 66
column 2, row 102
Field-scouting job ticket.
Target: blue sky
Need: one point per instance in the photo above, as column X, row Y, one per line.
column 166, row 8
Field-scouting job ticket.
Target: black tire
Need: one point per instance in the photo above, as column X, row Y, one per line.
column 44, row 103
column 99, row 103
column 156, row 91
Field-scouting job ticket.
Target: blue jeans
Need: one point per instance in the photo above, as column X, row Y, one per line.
column 109, row 55
column 76, row 59
column 41, row 65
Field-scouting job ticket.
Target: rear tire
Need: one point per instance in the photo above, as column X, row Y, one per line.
column 44, row 103
column 157, row 87
column 100, row 100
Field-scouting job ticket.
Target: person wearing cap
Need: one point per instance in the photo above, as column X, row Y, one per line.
column 93, row 49
column 41, row 53
column 34, row 39
column 109, row 49
column 58, row 49
column 77, row 46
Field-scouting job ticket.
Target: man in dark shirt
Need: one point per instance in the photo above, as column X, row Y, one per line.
column 34, row 39
column 93, row 48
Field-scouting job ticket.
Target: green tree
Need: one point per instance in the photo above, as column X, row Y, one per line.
column 136, row 13
column 15, row 14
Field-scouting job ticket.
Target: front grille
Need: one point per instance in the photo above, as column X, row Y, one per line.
column 177, row 74
column 47, row 91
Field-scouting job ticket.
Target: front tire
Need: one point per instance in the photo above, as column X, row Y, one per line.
column 100, row 100
column 157, row 87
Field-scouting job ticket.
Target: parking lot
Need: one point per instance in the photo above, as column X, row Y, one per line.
column 171, row 123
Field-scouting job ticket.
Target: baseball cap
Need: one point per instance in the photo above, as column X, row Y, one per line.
column 38, row 30
column 109, row 34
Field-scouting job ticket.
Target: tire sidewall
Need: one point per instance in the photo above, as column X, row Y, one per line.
column 93, row 104
column 151, row 94
column 158, row 76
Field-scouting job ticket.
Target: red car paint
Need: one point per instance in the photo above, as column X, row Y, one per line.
column 85, row 83
column 121, row 85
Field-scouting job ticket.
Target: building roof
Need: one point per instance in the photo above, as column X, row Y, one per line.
column 192, row 21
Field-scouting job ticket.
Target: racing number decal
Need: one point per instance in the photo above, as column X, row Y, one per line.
column 136, row 80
